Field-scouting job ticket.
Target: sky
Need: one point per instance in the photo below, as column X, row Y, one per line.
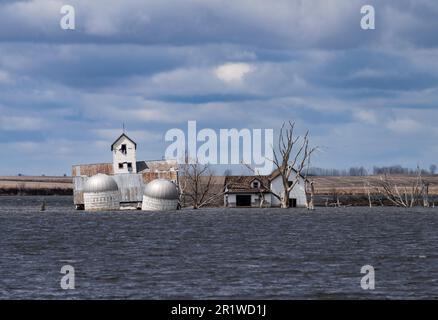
column 368, row 97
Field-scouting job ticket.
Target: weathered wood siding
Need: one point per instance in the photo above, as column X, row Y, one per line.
column 169, row 175
column 90, row 170
column 78, row 187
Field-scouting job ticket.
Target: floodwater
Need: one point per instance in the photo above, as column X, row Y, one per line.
column 216, row 253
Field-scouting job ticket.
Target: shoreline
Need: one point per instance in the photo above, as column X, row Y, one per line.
column 351, row 191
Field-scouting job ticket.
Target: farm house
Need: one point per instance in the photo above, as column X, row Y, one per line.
column 258, row 191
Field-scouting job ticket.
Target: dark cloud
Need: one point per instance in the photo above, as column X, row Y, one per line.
column 154, row 65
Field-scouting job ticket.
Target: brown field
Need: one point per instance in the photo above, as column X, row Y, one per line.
column 358, row 185
column 323, row 185
column 24, row 184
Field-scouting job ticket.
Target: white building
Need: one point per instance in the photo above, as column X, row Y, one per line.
column 297, row 197
column 124, row 155
column 253, row 191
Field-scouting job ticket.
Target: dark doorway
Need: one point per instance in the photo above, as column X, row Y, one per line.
column 292, row 203
column 243, row 200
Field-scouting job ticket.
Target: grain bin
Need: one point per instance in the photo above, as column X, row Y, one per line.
column 160, row 195
column 101, row 193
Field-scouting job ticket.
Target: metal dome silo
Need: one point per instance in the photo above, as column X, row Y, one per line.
column 160, row 195
column 101, row 193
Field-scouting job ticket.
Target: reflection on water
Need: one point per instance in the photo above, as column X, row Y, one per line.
column 216, row 253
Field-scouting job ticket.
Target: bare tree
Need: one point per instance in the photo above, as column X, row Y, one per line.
column 291, row 159
column 21, row 188
column 197, row 187
column 367, row 187
column 404, row 196
column 335, row 198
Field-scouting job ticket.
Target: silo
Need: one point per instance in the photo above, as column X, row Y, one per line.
column 160, row 195
column 101, row 193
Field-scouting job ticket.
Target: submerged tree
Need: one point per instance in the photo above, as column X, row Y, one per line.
column 292, row 162
column 292, row 159
column 197, row 185
column 408, row 197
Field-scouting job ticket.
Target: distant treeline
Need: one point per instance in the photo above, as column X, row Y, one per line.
column 362, row 171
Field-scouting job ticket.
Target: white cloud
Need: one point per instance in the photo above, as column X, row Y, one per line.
column 366, row 116
column 403, row 125
column 233, row 72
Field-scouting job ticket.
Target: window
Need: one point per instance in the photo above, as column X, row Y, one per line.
column 129, row 165
column 255, row 184
column 120, row 165
column 123, row 149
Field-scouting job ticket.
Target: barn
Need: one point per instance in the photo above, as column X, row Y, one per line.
column 130, row 175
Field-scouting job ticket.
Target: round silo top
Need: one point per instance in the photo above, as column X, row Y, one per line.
column 161, row 189
column 100, row 183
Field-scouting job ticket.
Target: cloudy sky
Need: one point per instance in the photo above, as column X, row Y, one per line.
column 367, row 97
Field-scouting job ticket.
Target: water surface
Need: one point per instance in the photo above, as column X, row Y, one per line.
column 216, row 253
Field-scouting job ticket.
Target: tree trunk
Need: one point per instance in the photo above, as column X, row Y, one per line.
column 284, row 200
column 312, row 197
column 426, row 195
column 262, row 200
column 370, row 203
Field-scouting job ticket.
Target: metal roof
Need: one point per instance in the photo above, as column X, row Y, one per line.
column 161, row 189
column 100, row 183
column 123, row 135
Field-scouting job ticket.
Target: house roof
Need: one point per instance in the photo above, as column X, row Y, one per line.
column 238, row 184
column 276, row 173
column 121, row 136
column 242, row 184
column 152, row 166
column 156, row 165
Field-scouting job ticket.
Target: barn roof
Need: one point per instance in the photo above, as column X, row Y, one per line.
column 156, row 165
column 121, row 136
column 243, row 183
column 276, row 173
column 152, row 166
